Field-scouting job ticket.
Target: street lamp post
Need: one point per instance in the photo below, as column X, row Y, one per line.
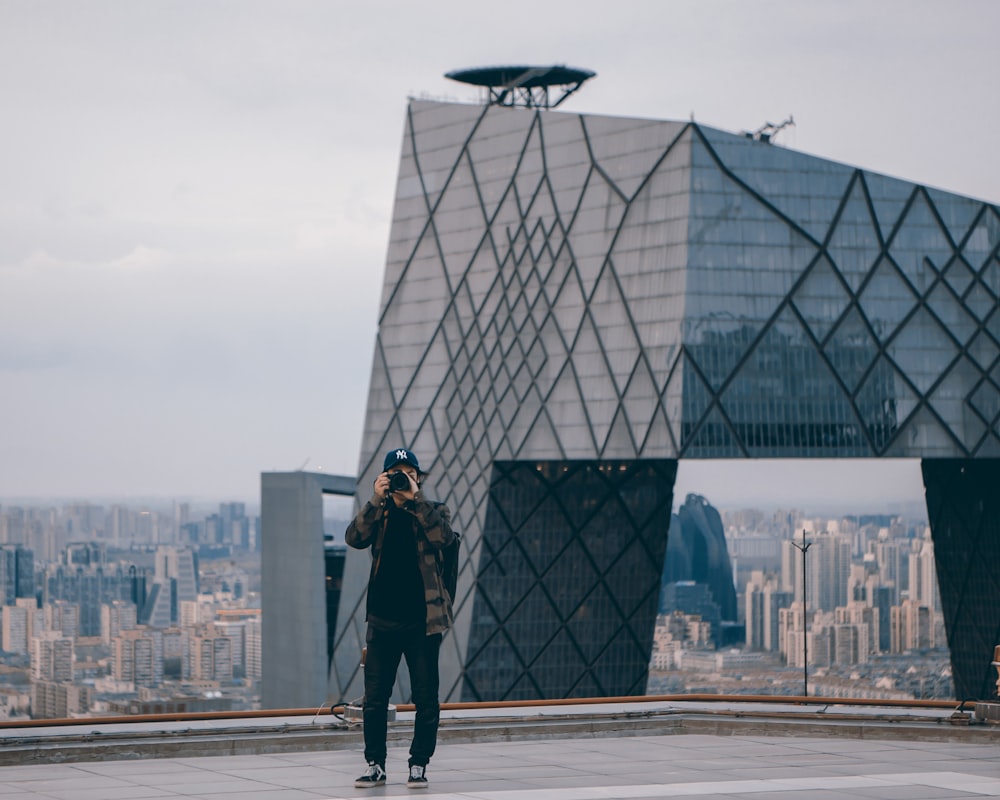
column 805, row 635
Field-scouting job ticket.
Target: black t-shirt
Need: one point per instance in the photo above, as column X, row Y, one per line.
column 396, row 594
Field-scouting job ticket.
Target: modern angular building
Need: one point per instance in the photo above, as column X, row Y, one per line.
column 572, row 303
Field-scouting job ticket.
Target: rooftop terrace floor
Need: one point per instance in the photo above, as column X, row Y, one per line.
column 593, row 752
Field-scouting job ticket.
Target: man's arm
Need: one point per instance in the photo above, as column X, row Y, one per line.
column 364, row 527
column 434, row 519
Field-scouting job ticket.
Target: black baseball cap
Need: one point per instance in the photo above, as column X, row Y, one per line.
column 400, row 456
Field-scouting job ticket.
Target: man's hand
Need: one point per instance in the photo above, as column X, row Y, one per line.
column 382, row 487
column 403, row 496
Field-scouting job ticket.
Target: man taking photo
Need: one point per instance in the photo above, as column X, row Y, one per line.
column 408, row 609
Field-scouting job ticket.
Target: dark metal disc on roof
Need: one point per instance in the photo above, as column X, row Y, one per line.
column 523, row 85
column 531, row 77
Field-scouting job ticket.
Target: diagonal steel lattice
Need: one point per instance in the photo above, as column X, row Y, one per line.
column 562, row 287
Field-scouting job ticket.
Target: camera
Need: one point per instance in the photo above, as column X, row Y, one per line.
column 399, row 481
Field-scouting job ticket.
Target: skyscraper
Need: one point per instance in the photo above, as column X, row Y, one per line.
column 17, row 573
column 175, row 580
column 14, row 629
column 829, row 567
column 300, row 585
column 923, row 587
column 595, row 296
column 697, row 551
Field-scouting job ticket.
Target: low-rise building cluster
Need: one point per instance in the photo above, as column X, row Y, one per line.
column 102, row 629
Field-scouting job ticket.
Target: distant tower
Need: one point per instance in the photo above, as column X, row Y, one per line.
column 253, row 648
column 299, row 575
column 829, row 569
column 180, row 565
column 14, row 626
column 923, row 578
column 17, row 573
column 175, row 579
column 697, row 551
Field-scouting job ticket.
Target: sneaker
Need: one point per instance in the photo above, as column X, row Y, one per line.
column 374, row 776
column 418, row 777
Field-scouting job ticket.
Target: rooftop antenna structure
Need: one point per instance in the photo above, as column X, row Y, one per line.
column 525, row 86
column 766, row 132
column 804, row 548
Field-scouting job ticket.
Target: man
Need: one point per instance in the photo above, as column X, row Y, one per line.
column 408, row 608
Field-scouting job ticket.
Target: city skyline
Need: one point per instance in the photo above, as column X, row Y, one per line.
column 819, row 487
column 193, row 203
column 92, row 633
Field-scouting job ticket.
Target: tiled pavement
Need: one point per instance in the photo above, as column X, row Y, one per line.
column 610, row 768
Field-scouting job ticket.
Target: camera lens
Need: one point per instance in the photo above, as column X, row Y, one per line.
column 398, row 482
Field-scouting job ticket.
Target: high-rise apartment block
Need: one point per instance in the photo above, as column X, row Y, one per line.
column 63, row 617
column 792, row 628
column 850, row 643
column 82, row 577
column 912, row 626
column 13, row 629
column 117, row 616
column 828, row 567
column 254, row 648
column 890, row 560
column 18, row 623
column 138, row 656
column 58, row 700
column 764, row 600
column 236, row 633
column 923, row 586
column 212, row 656
column 52, row 657
column 867, row 622
column 177, row 653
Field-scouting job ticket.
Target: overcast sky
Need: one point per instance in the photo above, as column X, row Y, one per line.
column 195, row 200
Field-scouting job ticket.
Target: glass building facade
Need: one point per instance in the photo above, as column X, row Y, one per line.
column 585, row 292
column 568, row 579
column 963, row 503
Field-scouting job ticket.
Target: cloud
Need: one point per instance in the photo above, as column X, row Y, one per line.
column 195, row 203
column 17, row 356
column 141, row 258
column 317, row 235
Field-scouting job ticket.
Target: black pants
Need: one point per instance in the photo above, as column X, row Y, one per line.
column 385, row 648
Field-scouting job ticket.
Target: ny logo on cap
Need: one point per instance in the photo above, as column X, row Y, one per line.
column 402, row 455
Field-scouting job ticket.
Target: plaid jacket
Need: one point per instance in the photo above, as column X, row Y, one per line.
column 432, row 531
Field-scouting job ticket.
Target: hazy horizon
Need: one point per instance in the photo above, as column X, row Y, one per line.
column 817, row 486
